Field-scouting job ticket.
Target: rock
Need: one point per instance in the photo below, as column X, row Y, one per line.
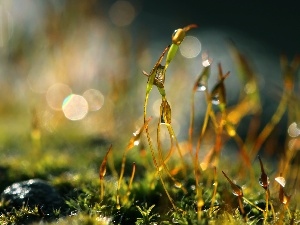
column 31, row 193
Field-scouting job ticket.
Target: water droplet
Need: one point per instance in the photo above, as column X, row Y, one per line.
column 206, row 63
column 293, row 130
column 230, row 130
column 193, row 187
column 174, row 220
column 73, row 213
column 203, row 166
column 281, row 181
column 237, row 191
column 136, row 142
column 200, row 203
column 178, row 36
column 201, row 86
column 215, row 100
column 178, row 184
column 264, row 183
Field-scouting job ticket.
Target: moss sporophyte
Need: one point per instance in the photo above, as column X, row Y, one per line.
column 188, row 173
column 160, row 178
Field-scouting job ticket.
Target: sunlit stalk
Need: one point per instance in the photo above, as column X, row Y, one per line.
column 204, row 126
column 241, row 205
column 159, row 148
column 102, row 172
column 237, row 191
column 200, row 203
column 199, row 85
column 213, row 199
column 218, row 142
column 131, row 178
column 161, row 157
column 255, row 206
column 289, row 74
column 192, row 122
column 172, row 134
column 270, row 126
column 157, row 168
column 267, row 206
column 132, row 142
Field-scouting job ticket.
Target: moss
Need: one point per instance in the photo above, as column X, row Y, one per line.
column 178, row 184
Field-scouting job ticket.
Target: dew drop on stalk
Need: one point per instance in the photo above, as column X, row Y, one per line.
column 201, row 86
column 136, row 143
column 215, row 100
column 178, row 36
column 263, row 183
column 206, row 61
column 135, row 140
column 237, row 191
column 203, row 166
column 178, row 184
column 264, row 179
column 281, row 181
column 293, row 130
column 230, row 130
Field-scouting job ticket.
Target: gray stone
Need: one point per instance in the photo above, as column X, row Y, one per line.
column 31, row 193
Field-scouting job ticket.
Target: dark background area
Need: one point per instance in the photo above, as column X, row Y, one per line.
column 276, row 23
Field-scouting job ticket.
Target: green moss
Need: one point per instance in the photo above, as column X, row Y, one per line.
column 174, row 190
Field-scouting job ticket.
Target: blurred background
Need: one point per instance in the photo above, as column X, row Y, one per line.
column 76, row 66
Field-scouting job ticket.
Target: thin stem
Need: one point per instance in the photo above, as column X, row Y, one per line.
column 213, row 199
column 241, row 205
column 172, row 134
column 218, row 143
column 157, row 168
column 131, row 178
column 250, row 203
column 163, row 161
column 270, row 126
column 120, row 178
column 192, row 122
column 101, row 189
column 102, row 172
column 267, row 206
